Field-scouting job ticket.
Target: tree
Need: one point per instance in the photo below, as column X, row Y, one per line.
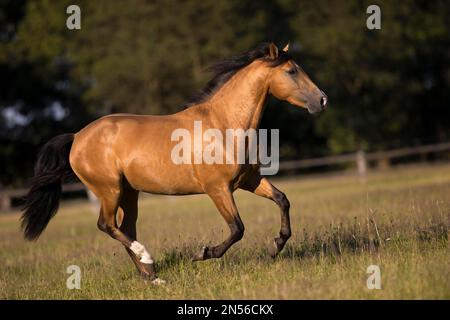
column 386, row 87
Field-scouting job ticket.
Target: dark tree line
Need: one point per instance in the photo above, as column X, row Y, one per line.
column 386, row 87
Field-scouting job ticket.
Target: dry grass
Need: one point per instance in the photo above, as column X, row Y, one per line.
column 397, row 219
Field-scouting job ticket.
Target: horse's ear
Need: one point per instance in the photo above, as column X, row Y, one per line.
column 273, row 51
column 286, row 47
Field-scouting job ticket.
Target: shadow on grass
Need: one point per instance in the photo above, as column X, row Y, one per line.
column 181, row 257
column 367, row 237
column 175, row 258
column 352, row 238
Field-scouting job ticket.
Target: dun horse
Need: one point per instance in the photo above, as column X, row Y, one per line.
column 120, row 155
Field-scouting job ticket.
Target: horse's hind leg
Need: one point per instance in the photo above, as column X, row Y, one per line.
column 107, row 223
column 129, row 206
column 127, row 223
column 224, row 201
column 262, row 187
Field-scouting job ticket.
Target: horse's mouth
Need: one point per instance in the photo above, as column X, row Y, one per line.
column 315, row 111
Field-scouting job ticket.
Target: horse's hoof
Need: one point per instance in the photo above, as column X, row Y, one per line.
column 158, row 282
column 201, row 255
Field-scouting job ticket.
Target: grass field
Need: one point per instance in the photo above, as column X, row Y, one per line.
column 396, row 219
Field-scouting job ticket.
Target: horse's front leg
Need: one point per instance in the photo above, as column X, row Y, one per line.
column 224, row 201
column 262, row 187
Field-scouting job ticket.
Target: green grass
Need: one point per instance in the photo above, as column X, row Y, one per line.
column 397, row 219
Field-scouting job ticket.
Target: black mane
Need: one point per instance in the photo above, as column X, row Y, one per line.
column 225, row 69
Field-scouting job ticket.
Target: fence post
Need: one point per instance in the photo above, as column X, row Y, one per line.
column 361, row 162
column 93, row 200
column 5, row 201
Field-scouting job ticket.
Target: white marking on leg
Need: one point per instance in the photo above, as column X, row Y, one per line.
column 141, row 252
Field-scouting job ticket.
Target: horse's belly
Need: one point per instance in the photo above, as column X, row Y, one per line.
column 163, row 178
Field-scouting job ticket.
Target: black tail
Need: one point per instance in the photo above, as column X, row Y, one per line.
column 42, row 201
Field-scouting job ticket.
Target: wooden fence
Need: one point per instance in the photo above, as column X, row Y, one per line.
column 360, row 158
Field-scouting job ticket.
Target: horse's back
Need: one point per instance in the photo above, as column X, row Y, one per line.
column 135, row 147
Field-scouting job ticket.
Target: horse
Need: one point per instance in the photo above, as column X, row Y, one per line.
column 119, row 155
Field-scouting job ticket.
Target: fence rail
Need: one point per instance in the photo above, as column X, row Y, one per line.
column 357, row 156
column 6, row 196
column 360, row 158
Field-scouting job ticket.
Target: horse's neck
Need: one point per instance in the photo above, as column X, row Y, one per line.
column 240, row 102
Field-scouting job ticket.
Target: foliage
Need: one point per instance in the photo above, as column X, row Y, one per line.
column 386, row 88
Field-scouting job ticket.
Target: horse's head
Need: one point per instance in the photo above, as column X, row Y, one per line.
column 288, row 81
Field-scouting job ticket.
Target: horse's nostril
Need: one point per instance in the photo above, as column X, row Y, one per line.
column 323, row 101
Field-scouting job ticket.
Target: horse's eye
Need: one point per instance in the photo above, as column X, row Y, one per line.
column 292, row 71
